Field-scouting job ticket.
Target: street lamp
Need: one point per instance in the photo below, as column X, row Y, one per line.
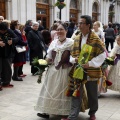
column 60, row 8
column 60, row 4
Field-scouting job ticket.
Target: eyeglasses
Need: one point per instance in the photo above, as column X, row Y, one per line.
column 81, row 23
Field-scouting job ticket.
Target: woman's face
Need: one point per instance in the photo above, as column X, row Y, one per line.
column 17, row 26
column 35, row 27
column 95, row 26
column 61, row 32
column 118, row 40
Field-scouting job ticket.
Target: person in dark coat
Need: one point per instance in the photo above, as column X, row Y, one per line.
column 109, row 36
column 70, row 30
column 7, row 41
column 19, row 58
column 28, row 27
column 47, row 38
column 40, row 26
column 36, row 45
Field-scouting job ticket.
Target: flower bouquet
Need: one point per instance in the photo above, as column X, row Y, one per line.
column 40, row 64
column 108, row 61
column 83, row 58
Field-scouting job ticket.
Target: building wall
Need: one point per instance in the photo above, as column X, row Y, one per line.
column 24, row 10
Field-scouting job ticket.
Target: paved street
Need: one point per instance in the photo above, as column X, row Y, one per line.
column 18, row 103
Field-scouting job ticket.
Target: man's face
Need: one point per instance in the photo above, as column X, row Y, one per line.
column 83, row 26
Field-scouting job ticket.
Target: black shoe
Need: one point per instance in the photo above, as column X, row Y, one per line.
column 0, row 87
column 43, row 115
column 17, row 79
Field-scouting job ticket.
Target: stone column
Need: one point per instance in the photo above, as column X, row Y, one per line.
column 31, row 10
column 107, row 12
column 14, row 9
column 79, row 10
column 52, row 13
column 87, row 7
column 104, row 12
column 118, row 12
column 23, row 10
column 8, row 9
column 101, row 11
column 67, row 10
column 90, row 7
column 83, row 7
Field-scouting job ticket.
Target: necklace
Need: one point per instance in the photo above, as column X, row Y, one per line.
column 62, row 40
column 87, row 42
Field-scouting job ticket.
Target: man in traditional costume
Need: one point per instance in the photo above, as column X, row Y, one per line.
column 92, row 70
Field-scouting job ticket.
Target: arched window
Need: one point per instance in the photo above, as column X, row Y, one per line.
column 95, row 12
column 73, row 11
column 111, row 13
column 95, row 7
column 73, row 4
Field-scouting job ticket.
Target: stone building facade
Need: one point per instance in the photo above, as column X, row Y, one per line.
column 23, row 10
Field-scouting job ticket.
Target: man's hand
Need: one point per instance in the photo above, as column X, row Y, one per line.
column 76, row 59
column 10, row 42
column 85, row 65
column 2, row 44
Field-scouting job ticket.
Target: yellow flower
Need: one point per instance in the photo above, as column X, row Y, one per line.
column 86, row 50
column 42, row 62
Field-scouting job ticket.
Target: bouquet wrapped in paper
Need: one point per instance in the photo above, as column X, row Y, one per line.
column 40, row 64
column 83, row 58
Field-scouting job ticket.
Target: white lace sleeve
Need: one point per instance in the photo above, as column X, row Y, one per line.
column 114, row 50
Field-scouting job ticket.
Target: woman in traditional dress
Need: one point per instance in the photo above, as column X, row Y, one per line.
column 52, row 99
column 98, row 29
column 114, row 73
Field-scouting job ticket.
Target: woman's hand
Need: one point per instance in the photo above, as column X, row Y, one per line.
column 49, row 61
column 2, row 44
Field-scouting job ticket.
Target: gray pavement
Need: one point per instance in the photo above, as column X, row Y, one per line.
column 18, row 103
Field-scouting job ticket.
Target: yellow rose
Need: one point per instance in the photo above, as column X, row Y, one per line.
column 42, row 62
column 86, row 50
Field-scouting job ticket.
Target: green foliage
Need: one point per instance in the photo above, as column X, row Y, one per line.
column 111, row 13
column 60, row 5
column 35, row 61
